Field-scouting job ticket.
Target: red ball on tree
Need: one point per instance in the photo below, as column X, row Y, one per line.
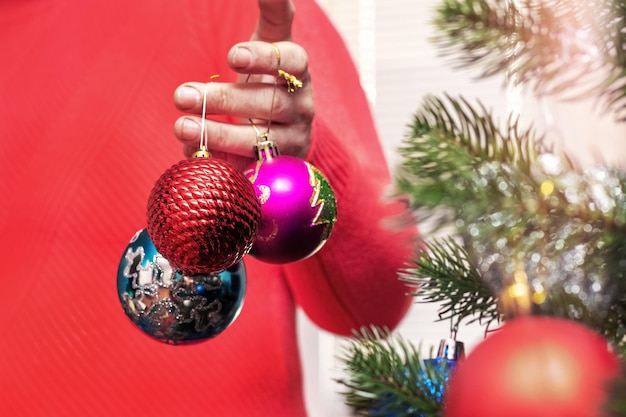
column 534, row 366
column 203, row 215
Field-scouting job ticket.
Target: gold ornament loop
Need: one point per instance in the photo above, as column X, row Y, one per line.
column 277, row 55
column 293, row 83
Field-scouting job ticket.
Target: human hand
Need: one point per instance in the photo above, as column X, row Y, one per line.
column 254, row 97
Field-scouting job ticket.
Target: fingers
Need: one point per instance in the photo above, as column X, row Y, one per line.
column 239, row 139
column 223, row 137
column 270, row 57
column 275, row 20
column 254, row 99
column 264, row 58
column 245, row 100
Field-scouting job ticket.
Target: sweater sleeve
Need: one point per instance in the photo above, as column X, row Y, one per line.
column 354, row 280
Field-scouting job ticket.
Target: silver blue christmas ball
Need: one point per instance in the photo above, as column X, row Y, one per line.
column 170, row 306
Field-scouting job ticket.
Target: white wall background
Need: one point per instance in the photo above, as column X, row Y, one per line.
column 389, row 41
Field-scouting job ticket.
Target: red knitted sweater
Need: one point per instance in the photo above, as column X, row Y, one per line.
column 86, row 121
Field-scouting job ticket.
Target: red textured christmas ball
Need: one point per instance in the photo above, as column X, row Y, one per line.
column 203, row 215
column 534, row 366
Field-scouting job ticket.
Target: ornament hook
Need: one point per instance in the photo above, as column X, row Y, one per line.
column 204, row 135
column 264, row 136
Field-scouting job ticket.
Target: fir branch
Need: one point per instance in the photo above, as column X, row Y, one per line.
column 443, row 274
column 450, row 140
column 473, row 128
column 570, row 49
column 506, row 195
column 386, row 375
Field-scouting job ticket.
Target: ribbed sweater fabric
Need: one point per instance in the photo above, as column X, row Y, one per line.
column 86, row 127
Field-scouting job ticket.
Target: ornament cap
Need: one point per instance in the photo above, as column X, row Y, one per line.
column 266, row 150
column 202, row 153
column 451, row 349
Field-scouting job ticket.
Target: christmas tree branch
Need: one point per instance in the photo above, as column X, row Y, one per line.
column 514, row 206
column 570, row 49
column 443, row 274
column 387, row 376
column 450, row 141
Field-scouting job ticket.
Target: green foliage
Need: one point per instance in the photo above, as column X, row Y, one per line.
column 509, row 210
column 449, row 141
column 569, row 49
column 387, row 376
column 513, row 208
column 443, row 275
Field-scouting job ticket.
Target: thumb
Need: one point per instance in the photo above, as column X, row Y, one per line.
column 274, row 22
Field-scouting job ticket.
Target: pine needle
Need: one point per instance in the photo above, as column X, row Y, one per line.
column 567, row 49
column 443, row 275
column 387, row 376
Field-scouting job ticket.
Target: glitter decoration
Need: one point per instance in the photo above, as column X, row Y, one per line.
column 433, row 378
column 543, row 235
column 432, row 388
column 437, row 390
column 549, row 247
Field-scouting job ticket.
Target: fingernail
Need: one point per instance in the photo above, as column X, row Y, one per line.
column 241, row 57
column 187, row 97
column 190, row 129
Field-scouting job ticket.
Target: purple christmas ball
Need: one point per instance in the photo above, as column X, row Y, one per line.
column 298, row 209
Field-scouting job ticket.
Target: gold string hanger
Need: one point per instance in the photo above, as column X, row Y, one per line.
column 293, row 84
column 203, row 151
